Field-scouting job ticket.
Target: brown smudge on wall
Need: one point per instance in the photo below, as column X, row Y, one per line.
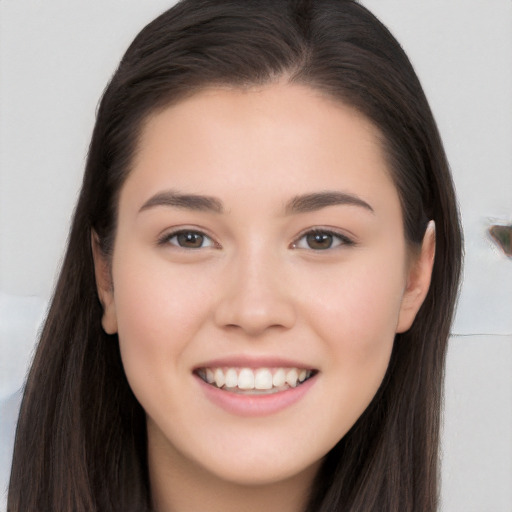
column 502, row 236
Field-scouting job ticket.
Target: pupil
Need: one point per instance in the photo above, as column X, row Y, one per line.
column 319, row 240
column 193, row 240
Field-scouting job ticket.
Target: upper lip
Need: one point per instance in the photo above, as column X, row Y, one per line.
column 244, row 361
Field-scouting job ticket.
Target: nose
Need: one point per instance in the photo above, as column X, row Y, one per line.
column 255, row 296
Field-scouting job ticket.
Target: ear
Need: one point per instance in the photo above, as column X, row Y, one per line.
column 104, row 286
column 418, row 280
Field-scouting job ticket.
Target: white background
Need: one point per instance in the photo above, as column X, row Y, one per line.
column 55, row 59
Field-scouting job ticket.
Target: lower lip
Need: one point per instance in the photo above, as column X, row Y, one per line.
column 255, row 405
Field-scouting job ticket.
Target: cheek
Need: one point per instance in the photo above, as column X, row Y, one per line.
column 355, row 316
column 158, row 312
column 357, row 303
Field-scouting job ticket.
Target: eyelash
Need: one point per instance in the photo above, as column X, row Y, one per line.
column 342, row 240
column 166, row 239
column 336, row 239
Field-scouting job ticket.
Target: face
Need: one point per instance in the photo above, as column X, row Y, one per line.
column 259, row 275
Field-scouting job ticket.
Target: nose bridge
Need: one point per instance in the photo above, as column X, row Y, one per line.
column 256, row 297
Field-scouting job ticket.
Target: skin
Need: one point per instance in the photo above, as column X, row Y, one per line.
column 256, row 288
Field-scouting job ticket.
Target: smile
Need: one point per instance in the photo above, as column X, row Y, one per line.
column 254, row 380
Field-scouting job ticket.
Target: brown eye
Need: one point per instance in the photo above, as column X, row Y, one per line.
column 319, row 240
column 188, row 240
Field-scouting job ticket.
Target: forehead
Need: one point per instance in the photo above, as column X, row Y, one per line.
column 287, row 105
column 279, row 136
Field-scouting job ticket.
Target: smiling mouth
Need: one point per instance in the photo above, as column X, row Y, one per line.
column 255, row 381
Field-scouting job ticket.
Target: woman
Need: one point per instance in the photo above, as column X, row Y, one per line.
column 249, row 314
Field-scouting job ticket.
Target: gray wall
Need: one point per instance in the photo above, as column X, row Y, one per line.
column 55, row 59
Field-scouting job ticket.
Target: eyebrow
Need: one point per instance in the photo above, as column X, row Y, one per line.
column 318, row 200
column 186, row 201
column 299, row 204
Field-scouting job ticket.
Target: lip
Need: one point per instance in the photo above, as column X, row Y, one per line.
column 253, row 362
column 249, row 405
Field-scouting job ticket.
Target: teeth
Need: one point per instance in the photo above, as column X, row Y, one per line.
column 246, row 379
column 279, row 378
column 260, row 379
column 292, row 377
column 219, row 378
column 231, row 378
column 263, row 379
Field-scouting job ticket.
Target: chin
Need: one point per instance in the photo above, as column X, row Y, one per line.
column 254, row 473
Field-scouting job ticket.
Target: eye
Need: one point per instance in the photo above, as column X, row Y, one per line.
column 321, row 239
column 188, row 239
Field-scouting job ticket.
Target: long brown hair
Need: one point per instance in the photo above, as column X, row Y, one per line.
column 81, row 436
